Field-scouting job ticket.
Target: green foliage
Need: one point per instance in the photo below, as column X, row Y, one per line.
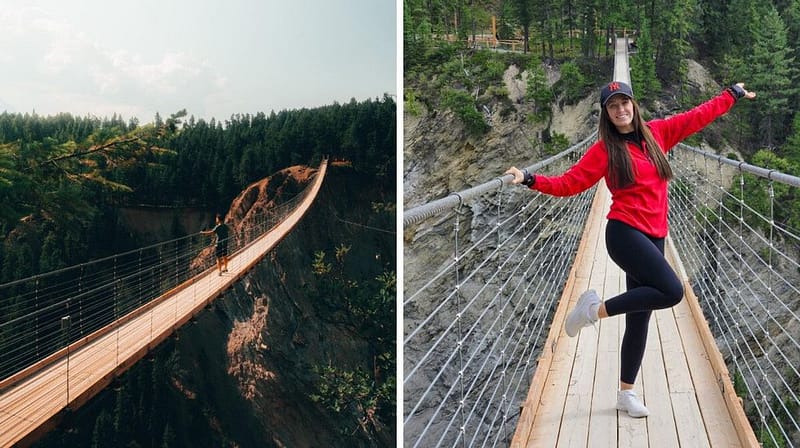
column 643, row 68
column 765, row 61
column 354, row 392
column 771, row 436
column 168, row 439
column 739, row 385
column 463, row 105
column 369, row 306
column 539, row 92
column 783, row 206
column 340, row 389
column 63, row 178
column 558, row 142
column 319, row 266
column 103, row 433
column 791, row 149
column 411, row 105
column 486, row 67
column 572, row 82
column 672, row 30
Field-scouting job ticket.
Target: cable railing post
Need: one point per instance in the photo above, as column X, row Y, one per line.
column 80, row 300
column 720, row 217
column 177, row 265
column 65, row 327
column 116, row 310
column 139, row 283
column 459, row 316
column 36, row 318
column 503, row 362
column 771, row 228
column 741, row 253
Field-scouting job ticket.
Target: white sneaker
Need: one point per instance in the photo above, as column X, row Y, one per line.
column 628, row 401
column 584, row 313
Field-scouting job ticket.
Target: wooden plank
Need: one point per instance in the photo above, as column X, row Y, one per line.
column 547, row 424
column 656, row 393
column 719, row 426
column 578, row 401
column 682, row 393
column 602, row 430
column 534, row 400
column 734, row 403
column 633, row 431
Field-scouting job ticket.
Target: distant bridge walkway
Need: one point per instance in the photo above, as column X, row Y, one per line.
column 32, row 399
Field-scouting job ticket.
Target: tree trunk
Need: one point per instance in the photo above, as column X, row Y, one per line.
column 525, row 35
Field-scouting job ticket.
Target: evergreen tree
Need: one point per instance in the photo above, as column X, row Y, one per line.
column 103, row 433
column 524, row 10
column 791, row 149
column 675, row 26
column 643, row 67
column 169, row 439
column 769, row 67
column 538, row 91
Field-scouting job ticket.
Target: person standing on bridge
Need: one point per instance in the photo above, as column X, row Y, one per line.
column 630, row 155
column 221, row 249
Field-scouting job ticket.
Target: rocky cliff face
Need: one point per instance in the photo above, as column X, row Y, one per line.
column 278, row 335
column 243, row 373
column 440, row 157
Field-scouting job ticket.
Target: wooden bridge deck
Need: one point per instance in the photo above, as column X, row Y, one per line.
column 34, row 404
column 683, row 380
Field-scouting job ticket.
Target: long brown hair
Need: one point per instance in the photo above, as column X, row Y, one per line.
column 620, row 167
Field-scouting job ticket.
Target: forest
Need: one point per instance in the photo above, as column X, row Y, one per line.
column 62, row 177
column 751, row 41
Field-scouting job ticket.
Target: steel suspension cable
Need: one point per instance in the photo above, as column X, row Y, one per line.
column 751, row 301
column 506, row 307
column 94, row 294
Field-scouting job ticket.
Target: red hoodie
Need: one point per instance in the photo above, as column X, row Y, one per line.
column 643, row 204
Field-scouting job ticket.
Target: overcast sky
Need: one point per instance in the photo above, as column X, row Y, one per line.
column 139, row 57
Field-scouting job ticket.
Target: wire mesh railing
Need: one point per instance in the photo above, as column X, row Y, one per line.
column 482, row 281
column 735, row 228
column 43, row 314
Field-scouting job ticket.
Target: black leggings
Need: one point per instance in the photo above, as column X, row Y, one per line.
column 651, row 283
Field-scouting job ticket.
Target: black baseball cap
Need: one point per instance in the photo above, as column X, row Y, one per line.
column 613, row 88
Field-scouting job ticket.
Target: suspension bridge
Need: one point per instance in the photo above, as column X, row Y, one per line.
column 65, row 335
column 491, row 272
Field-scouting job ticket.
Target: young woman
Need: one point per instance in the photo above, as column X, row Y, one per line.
column 221, row 248
column 630, row 156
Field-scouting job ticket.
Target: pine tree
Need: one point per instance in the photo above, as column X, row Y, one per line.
column 643, row 66
column 791, row 149
column 674, row 29
column 169, row 438
column 103, row 433
column 524, row 13
column 769, row 67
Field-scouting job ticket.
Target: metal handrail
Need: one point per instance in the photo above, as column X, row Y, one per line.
column 775, row 175
column 433, row 208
